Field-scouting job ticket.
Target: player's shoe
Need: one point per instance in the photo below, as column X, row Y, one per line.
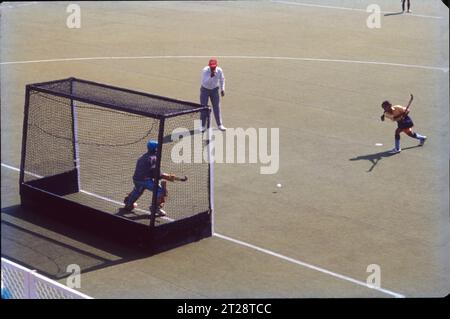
column 422, row 141
column 159, row 212
column 409, row 11
column 395, row 150
column 129, row 208
column 222, row 128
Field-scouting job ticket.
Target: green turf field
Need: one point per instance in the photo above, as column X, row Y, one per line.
column 314, row 70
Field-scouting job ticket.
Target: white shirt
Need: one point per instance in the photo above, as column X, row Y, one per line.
column 217, row 80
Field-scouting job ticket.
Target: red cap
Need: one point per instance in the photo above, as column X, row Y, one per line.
column 212, row 63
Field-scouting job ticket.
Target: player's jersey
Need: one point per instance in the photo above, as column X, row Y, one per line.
column 396, row 111
column 145, row 167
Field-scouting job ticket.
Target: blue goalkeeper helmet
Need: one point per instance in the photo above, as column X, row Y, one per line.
column 152, row 145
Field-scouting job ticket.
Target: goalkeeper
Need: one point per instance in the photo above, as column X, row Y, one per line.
column 143, row 178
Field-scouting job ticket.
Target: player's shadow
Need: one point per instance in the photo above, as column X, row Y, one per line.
column 376, row 157
column 49, row 246
column 137, row 217
column 373, row 158
column 393, row 14
column 132, row 215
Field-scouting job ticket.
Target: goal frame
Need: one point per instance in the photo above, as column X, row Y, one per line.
column 45, row 195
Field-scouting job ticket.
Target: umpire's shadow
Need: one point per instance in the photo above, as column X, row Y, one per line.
column 376, row 157
column 393, row 13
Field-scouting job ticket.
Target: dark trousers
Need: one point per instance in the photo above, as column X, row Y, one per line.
column 213, row 95
column 403, row 4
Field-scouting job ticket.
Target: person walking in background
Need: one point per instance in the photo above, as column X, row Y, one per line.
column 212, row 80
column 408, row 6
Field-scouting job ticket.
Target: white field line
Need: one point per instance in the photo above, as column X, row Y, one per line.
column 348, row 9
column 12, row 168
column 241, row 57
column 269, row 252
column 301, row 263
column 10, row 5
column 121, row 204
column 86, row 192
column 18, row 170
column 110, row 200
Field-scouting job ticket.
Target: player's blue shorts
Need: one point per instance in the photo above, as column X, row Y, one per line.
column 405, row 123
column 140, row 186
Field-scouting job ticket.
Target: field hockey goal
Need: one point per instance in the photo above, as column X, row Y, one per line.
column 81, row 140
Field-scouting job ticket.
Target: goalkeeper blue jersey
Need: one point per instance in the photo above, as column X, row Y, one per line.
column 145, row 167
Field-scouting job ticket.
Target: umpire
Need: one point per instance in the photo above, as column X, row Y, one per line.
column 212, row 80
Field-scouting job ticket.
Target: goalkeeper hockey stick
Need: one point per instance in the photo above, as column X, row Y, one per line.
column 180, row 179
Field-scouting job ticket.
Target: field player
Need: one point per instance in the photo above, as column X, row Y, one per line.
column 399, row 114
column 143, row 178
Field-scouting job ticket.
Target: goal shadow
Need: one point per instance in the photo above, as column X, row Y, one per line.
column 48, row 246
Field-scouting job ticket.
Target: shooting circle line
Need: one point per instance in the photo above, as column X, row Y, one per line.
column 235, row 57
